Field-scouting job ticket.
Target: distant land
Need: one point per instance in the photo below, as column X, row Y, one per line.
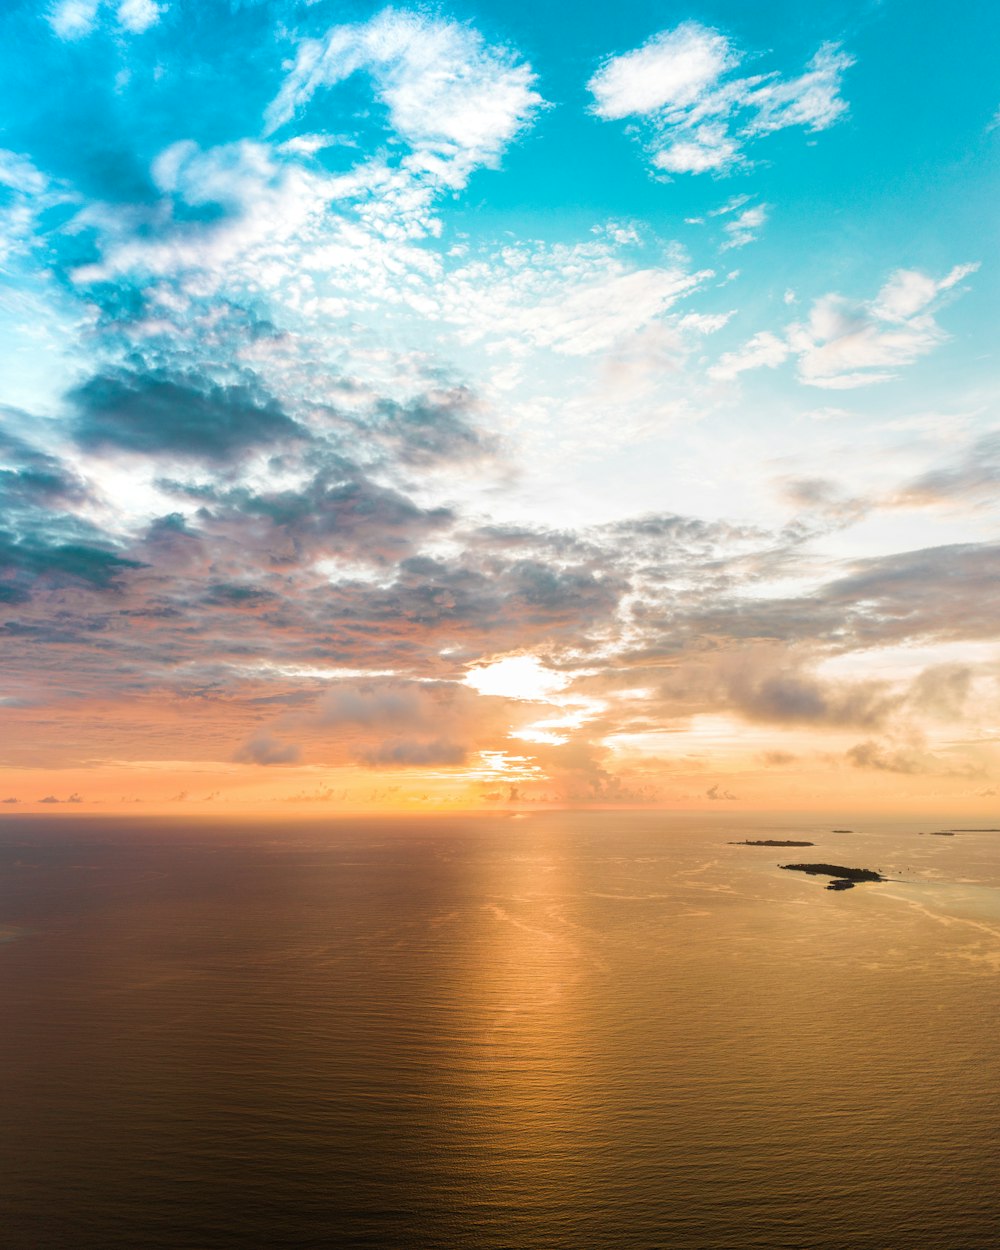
column 950, row 833
column 841, row 830
column 771, row 842
column 844, row 878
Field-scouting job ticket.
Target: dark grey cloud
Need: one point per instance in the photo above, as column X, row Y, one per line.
column 799, row 698
column 183, row 415
column 340, row 512
column 432, row 428
column 492, row 603
column 229, row 595
column 42, row 540
column 29, row 477
column 27, row 564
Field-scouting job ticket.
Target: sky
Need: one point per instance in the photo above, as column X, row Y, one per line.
column 499, row 406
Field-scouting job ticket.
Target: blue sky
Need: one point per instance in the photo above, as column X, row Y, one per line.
column 399, row 306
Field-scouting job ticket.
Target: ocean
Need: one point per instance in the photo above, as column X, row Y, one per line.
column 562, row 1031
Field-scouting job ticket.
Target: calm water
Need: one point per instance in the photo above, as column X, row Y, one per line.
column 562, row 1031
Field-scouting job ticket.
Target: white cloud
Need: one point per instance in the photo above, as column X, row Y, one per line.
column 455, row 100
column 139, row 15
column 743, row 229
column 573, row 300
column 812, row 100
column 730, row 206
column 908, row 292
column 844, row 344
column 671, row 72
column 269, row 204
column 764, row 351
column 704, row 149
column 696, row 116
column 19, row 174
column 29, row 193
column 72, row 19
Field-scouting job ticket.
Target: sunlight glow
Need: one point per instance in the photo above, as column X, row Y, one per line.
column 517, row 677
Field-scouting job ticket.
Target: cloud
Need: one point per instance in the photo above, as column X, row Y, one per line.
column 138, row 15
column 695, row 115
column 672, row 71
column 812, row 100
column 744, row 229
column 410, row 753
column 184, row 416
column 72, row 19
column 242, row 212
column 265, row 749
column 432, row 428
column 456, row 101
column 942, row 690
column 871, row 755
column 573, row 300
column 374, row 706
column 51, row 798
column 764, row 351
column 29, row 564
column 17, row 173
column 886, row 759
column 844, row 344
column 338, row 512
column 717, row 793
column 797, row 698
column 972, row 478
column 913, row 594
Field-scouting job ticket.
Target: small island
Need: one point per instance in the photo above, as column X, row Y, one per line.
column 841, row 830
column 843, row 878
column 772, row 842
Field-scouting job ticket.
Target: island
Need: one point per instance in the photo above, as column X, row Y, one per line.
column 772, row 842
column 841, row 830
column 843, row 878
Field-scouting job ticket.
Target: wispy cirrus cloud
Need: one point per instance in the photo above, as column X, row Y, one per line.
column 695, row 114
column 745, row 227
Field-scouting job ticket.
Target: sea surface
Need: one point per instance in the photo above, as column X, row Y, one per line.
column 565, row 1031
